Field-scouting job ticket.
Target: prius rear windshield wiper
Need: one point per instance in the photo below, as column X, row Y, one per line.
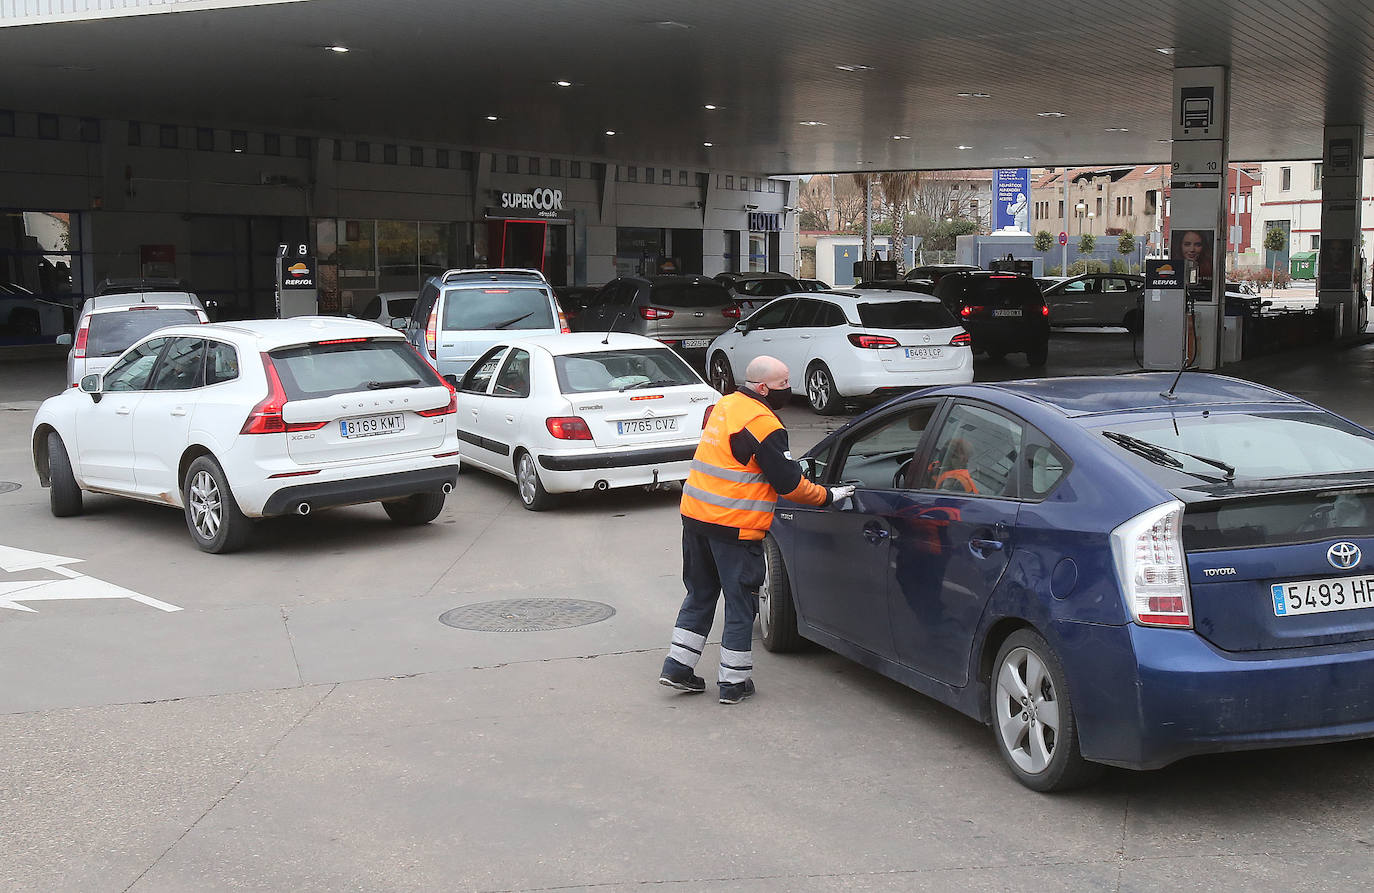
column 398, row 383
column 658, row 383
column 511, row 322
column 1160, row 455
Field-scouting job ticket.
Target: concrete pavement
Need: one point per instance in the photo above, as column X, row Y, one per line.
column 306, row 723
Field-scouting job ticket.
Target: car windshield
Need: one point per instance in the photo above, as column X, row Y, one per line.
column 615, row 370
column 691, row 294
column 906, row 315
column 322, row 370
column 111, row 334
column 1261, row 446
column 503, row 307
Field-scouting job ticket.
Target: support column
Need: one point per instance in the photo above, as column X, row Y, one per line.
column 1338, row 261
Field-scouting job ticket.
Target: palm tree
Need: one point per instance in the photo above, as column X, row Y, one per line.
column 864, row 181
column 898, row 188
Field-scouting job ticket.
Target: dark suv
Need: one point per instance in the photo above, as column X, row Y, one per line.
column 1004, row 312
column 684, row 312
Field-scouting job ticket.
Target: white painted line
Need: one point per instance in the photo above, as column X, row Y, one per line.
column 76, row 585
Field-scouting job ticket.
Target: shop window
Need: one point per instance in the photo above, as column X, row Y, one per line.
column 238, row 141
column 555, row 167
column 205, row 139
column 271, row 144
column 302, row 147
column 667, row 177
column 633, row 174
column 575, row 169
column 388, row 154
column 168, row 137
column 135, row 134
column 417, row 156
column 534, row 166
column 47, row 127
column 648, row 175
column 90, row 130
column 441, row 158
column 6, row 123
column 682, row 178
column 362, row 152
column 512, row 164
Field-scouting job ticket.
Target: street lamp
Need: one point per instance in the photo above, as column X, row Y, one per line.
column 1078, row 211
column 1091, row 215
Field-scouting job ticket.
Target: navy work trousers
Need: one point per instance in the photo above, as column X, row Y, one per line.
column 710, row 566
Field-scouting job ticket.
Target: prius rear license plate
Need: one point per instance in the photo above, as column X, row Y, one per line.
column 372, row 425
column 1321, row 596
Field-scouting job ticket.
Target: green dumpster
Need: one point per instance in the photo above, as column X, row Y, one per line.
column 1303, row 265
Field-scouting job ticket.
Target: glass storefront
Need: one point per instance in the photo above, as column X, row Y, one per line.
column 40, row 274
column 359, row 259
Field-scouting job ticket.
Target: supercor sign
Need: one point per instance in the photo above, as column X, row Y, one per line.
column 547, row 202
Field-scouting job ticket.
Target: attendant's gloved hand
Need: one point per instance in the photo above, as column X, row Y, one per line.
column 842, row 492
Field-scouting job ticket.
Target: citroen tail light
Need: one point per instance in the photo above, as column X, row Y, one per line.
column 706, row 416
column 1149, row 557
column 568, row 428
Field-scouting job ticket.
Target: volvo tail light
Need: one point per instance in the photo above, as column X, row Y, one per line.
column 266, row 416
column 450, row 409
column 79, row 346
column 730, row 312
column 963, row 339
column 1149, row 557
column 873, row 342
column 432, row 332
column 568, row 428
column 655, row 313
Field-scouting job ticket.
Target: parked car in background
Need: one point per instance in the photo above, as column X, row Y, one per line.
column 120, row 285
column 1098, row 299
column 1004, row 312
column 683, row 312
column 460, row 315
column 848, row 343
column 920, row 286
column 387, row 306
column 814, row 285
column 1103, row 574
column 230, row 422
column 25, row 315
column 582, row 412
column 935, row 272
column 753, row 290
column 1046, row 282
column 575, row 298
column 110, row 322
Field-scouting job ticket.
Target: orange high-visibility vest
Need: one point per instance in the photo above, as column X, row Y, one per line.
column 719, row 490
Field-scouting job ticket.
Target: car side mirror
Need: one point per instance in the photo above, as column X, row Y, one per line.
column 91, row 384
column 808, row 467
column 400, row 322
column 452, row 380
column 64, row 340
column 743, row 327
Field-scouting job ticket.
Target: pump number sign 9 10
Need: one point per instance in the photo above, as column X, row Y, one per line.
column 1321, row 596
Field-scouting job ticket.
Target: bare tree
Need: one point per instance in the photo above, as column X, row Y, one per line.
column 937, row 198
column 833, row 203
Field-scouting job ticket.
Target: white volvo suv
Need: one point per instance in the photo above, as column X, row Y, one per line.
column 234, row 421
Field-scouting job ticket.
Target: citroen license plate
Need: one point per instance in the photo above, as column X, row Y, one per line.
column 1321, row 596
column 372, row 425
column 646, row 426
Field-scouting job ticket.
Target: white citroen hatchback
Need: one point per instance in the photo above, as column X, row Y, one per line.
column 587, row 411
column 234, row 421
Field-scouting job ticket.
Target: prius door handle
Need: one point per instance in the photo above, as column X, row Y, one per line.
column 510, row 418
column 979, row 546
column 875, row 534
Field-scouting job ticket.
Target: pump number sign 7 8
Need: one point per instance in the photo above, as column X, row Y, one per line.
column 1321, row 596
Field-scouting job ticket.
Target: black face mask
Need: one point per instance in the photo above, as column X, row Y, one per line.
column 777, row 398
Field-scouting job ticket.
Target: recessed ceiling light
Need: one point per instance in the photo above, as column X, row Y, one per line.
column 1049, row 114
column 812, row 123
column 853, row 67
column 1164, row 141
column 708, row 145
column 1117, row 130
column 709, row 107
column 492, row 118
column 962, row 147
column 1027, row 157
column 670, row 25
column 900, row 136
column 967, row 95
column 337, row 48
column 1166, row 51
column 610, row 133
column 562, row 83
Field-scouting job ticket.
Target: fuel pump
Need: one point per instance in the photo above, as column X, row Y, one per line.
column 1170, row 335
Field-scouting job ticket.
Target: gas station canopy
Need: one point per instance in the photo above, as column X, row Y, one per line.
column 797, row 86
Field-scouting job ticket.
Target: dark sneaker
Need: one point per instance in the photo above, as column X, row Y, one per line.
column 680, row 676
column 734, row 692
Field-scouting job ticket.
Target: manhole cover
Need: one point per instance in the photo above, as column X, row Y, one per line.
column 8, row 486
column 523, row 615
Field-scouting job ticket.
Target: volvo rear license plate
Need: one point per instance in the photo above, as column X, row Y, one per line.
column 923, row 353
column 1320, row 596
column 1006, row 313
column 372, row 425
column 696, row 343
column 645, row 426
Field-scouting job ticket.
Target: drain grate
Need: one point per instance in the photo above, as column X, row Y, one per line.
column 524, row 615
column 9, row 486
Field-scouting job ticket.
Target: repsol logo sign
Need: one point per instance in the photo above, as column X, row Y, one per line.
column 547, row 202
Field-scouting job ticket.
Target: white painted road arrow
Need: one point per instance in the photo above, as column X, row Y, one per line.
column 76, row 585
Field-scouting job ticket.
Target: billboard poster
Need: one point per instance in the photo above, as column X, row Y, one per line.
column 1011, row 199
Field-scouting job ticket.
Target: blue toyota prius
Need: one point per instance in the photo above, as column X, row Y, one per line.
column 1105, row 570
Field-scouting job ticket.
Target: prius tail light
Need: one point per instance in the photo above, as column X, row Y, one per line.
column 568, row 428
column 1149, row 557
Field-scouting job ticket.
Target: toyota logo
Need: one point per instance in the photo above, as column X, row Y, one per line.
column 1343, row 556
